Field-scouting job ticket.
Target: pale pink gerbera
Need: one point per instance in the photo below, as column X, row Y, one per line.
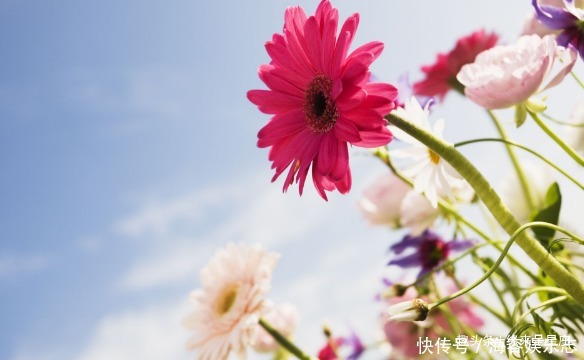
column 228, row 306
column 321, row 99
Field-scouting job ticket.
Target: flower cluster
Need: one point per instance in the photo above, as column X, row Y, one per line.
column 322, row 100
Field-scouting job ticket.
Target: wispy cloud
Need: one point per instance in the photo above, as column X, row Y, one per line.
column 15, row 265
column 150, row 333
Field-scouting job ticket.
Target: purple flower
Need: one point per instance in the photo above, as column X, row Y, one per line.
column 430, row 251
column 569, row 19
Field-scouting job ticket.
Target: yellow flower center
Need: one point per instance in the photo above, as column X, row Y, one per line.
column 435, row 158
column 226, row 299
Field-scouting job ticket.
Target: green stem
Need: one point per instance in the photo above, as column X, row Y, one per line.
column 567, row 148
column 542, row 305
column 493, row 202
column 531, row 292
column 566, row 123
column 577, row 79
column 533, row 152
column 527, row 192
column 516, row 236
column 484, row 305
column 282, row 340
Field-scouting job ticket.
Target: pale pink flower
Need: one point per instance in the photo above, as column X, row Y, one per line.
column 230, row 302
column 321, row 99
column 417, row 214
column 284, row 318
column 509, row 75
column 381, row 202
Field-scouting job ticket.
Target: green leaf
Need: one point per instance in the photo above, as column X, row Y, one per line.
column 550, row 213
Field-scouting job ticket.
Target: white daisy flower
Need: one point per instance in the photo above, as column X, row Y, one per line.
column 432, row 175
column 232, row 298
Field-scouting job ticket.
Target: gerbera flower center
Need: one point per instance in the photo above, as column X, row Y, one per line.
column 435, row 158
column 319, row 108
column 226, row 299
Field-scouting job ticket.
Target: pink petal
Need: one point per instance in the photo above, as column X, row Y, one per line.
column 350, row 97
column 373, row 48
column 357, row 68
column 314, row 44
column 344, row 42
column 568, row 59
column 280, row 126
column 374, row 138
column 342, row 162
column 344, row 185
column 329, row 41
column 345, row 130
column 327, row 154
column 364, row 117
column 276, row 83
column 273, row 102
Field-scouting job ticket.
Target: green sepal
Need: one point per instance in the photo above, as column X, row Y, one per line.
column 520, row 114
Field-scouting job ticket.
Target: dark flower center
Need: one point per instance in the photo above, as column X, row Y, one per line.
column 433, row 252
column 319, row 108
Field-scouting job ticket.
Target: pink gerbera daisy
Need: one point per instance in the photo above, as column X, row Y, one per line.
column 321, row 99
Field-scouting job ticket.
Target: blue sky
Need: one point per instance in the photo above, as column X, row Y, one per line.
column 128, row 156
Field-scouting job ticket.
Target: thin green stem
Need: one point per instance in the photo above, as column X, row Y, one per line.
column 542, row 305
column 484, row 305
column 527, row 191
column 533, row 291
column 516, row 235
column 567, row 148
column 493, row 202
column 577, row 79
column 566, row 123
column 533, row 152
column 282, row 340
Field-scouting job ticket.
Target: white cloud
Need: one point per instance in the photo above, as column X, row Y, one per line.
column 249, row 214
column 172, row 265
column 151, row 333
column 14, row 265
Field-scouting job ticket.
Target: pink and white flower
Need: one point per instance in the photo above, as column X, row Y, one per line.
column 509, row 75
column 284, row 318
column 321, row 99
column 230, row 302
column 381, row 202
